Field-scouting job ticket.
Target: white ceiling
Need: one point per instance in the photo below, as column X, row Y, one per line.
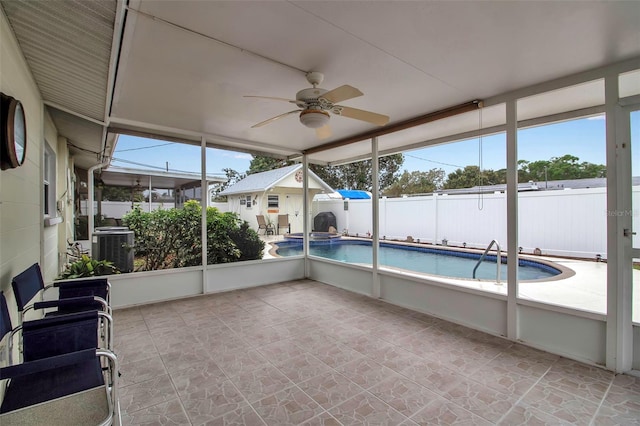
column 409, row 58
column 184, row 66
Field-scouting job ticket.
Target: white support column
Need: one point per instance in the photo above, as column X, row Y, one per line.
column 306, row 234
column 375, row 215
column 150, row 197
column 204, row 193
column 435, row 217
column 512, row 219
column 90, row 211
column 619, row 350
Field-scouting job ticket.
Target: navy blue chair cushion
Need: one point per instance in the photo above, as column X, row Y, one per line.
column 27, row 284
column 58, row 335
column 5, row 319
column 31, row 389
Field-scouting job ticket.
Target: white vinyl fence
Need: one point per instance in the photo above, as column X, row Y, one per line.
column 117, row 209
column 564, row 223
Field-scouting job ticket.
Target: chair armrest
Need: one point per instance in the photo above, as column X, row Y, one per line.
column 72, row 301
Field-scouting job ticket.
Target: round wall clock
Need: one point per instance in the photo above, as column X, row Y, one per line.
column 298, row 176
column 14, row 132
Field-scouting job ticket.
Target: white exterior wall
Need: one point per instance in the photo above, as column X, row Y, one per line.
column 117, row 209
column 51, row 265
column 223, row 207
column 21, row 210
column 248, row 214
column 290, row 200
column 569, row 223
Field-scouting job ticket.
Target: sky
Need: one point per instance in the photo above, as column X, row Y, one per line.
column 583, row 138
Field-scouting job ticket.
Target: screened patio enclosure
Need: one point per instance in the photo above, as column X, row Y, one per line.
column 442, row 72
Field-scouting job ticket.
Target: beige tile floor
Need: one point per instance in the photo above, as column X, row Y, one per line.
column 306, row 353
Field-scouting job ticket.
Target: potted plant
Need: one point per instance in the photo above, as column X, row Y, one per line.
column 88, row 267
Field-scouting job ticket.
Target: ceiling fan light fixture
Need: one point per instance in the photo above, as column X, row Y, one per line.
column 314, row 118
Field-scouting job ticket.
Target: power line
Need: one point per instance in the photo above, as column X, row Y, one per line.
column 145, row 147
column 139, row 164
column 433, row 161
column 164, row 169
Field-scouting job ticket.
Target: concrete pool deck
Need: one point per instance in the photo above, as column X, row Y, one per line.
column 586, row 290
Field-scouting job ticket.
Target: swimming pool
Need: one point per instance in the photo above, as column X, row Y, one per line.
column 428, row 260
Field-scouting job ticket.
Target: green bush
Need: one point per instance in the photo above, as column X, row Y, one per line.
column 171, row 238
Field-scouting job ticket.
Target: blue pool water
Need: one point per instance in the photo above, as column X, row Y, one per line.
column 432, row 261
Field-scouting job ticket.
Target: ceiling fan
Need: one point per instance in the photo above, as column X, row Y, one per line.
column 315, row 104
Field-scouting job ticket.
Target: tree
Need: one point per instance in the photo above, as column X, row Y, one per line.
column 348, row 176
column 463, row 178
column 416, row 182
column 232, row 178
column 155, row 196
column 558, row 168
column 121, row 193
column 261, row 163
column 471, row 176
column 358, row 175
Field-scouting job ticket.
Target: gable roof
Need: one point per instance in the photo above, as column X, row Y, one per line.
column 259, row 182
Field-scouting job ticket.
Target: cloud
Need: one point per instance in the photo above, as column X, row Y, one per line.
column 596, row 117
column 237, row 155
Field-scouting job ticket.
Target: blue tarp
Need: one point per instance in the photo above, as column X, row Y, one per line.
column 354, row 194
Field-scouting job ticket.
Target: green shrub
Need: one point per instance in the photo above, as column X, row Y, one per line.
column 248, row 242
column 172, row 238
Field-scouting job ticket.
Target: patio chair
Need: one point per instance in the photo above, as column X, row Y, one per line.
column 283, row 222
column 262, row 223
column 63, row 379
column 73, row 296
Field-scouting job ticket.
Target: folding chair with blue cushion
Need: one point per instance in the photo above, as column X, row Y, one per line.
column 79, row 295
column 62, row 380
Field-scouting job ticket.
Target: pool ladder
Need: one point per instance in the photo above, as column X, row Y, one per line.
column 498, row 260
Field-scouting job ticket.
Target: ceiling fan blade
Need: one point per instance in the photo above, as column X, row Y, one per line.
column 323, row 132
column 368, row 116
column 272, row 119
column 341, row 93
column 271, row 98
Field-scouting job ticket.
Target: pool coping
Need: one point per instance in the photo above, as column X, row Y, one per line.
column 565, row 272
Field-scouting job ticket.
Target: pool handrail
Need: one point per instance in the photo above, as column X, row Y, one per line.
column 498, row 259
